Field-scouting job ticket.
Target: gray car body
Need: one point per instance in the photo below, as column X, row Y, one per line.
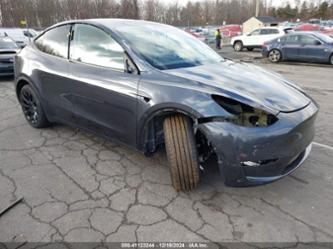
column 320, row 52
column 131, row 106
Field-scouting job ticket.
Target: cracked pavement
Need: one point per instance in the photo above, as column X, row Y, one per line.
column 78, row 187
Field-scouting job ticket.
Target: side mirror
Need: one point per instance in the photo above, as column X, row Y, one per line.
column 130, row 66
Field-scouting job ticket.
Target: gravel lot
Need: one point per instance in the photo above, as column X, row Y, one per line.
column 79, row 187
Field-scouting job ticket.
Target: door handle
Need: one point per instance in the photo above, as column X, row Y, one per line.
column 144, row 97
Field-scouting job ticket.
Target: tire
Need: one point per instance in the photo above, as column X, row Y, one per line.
column 32, row 108
column 275, row 56
column 250, row 49
column 181, row 153
column 331, row 59
column 238, row 46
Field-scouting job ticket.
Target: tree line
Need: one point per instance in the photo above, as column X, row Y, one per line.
column 304, row 10
column 43, row 13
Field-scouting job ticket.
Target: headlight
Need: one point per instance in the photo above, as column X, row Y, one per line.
column 245, row 115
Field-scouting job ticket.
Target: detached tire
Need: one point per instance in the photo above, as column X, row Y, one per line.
column 181, row 153
column 32, row 108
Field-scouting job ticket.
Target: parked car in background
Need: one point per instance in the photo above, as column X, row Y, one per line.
column 231, row 30
column 300, row 46
column 8, row 50
column 19, row 35
column 200, row 36
column 328, row 24
column 152, row 86
column 327, row 30
column 308, row 27
column 210, row 36
column 288, row 24
column 315, row 21
column 256, row 38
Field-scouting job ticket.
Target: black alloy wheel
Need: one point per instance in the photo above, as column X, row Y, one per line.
column 32, row 108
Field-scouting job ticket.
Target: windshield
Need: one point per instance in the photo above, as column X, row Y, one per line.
column 325, row 38
column 166, row 47
column 7, row 43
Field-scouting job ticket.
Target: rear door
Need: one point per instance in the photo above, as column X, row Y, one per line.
column 290, row 47
column 104, row 96
column 268, row 35
column 51, row 64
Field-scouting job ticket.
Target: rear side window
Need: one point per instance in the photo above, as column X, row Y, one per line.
column 94, row 46
column 264, row 32
column 292, row 39
column 55, row 41
column 269, row 31
column 274, row 31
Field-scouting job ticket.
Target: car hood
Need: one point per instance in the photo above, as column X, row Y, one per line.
column 247, row 83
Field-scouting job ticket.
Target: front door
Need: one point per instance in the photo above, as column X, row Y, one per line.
column 311, row 49
column 103, row 94
column 253, row 39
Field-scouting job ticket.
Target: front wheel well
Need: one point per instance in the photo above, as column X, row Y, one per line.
column 154, row 135
column 236, row 42
column 275, row 49
column 20, row 84
column 153, row 131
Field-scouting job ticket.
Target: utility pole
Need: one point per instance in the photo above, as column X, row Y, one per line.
column 257, row 7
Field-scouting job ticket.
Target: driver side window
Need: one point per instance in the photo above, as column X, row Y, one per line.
column 308, row 40
column 93, row 46
column 256, row 32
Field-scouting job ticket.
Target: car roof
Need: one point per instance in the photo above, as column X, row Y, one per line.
column 303, row 33
column 276, row 27
column 315, row 34
column 269, row 27
column 110, row 22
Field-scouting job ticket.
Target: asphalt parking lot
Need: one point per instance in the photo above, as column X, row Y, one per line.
column 79, row 187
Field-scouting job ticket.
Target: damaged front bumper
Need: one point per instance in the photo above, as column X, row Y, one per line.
column 250, row 156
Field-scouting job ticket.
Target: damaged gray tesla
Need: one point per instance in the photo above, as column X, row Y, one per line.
column 152, row 86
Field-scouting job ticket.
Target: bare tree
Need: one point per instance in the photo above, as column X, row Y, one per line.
column 129, row 9
column 42, row 13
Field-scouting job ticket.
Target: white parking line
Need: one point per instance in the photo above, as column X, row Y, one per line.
column 323, row 145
